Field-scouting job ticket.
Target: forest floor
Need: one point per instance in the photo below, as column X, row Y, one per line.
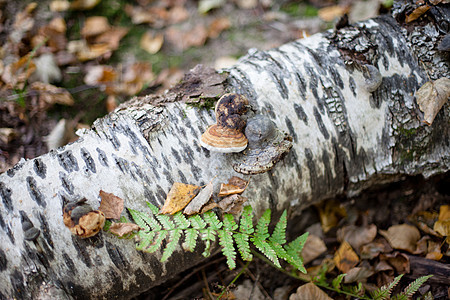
column 64, row 65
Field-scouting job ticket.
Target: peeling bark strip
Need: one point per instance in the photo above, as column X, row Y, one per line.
column 344, row 138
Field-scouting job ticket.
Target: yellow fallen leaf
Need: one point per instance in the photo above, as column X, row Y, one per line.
column 345, row 257
column 330, row 213
column 111, row 205
column 432, row 96
column 178, row 197
column 442, row 225
column 416, row 13
column 403, row 236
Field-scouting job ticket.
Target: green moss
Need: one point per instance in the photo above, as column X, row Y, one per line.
column 300, row 10
column 203, row 103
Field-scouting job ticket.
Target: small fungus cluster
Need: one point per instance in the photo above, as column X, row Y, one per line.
column 226, row 135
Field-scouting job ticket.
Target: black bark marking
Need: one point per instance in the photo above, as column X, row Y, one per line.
column 187, row 155
column 116, row 256
column 188, row 124
column 168, row 176
column 138, row 172
column 133, row 148
column 312, row 170
column 45, row 229
column 352, row 85
column 335, row 75
column 10, row 235
column 148, row 194
column 291, row 128
column 167, row 163
column 40, row 168
column 301, row 84
column 3, row 261
column 176, row 155
column 65, row 182
column 102, row 158
column 242, row 84
column 69, row 263
column 182, row 177
column 196, row 171
column 276, row 70
column 327, row 182
column 161, row 193
column 2, row 222
column 18, row 285
column 113, row 139
column 88, row 160
column 301, row 113
column 320, row 123
column 11, row 172
column 122, row 164
column 6, row 193
column 68, row 161
column 34, row 192
column 268, row 109
column 83, row 254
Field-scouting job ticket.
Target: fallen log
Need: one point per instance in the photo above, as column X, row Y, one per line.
column 346, row 98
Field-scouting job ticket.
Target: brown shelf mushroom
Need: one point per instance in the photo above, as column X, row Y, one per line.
column 226, row 135
column 267, row 146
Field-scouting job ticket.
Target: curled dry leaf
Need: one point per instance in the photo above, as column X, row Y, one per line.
column 235, row 185
column 403, row 236
column 314, row 247
column 232, row 204
column 309, row 291
column 357, row 236
column 111, row 205
column 374, row 248
column 358, row 274
column 81, row 220
column 122, row 229
column 442, row 225
column 330, row 213
column 95, row 26
column 431, row 97
column 178, row 197
column 200, row 200
column 345, row 257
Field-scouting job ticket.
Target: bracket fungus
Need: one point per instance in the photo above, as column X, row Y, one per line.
column 226, row 135
column 267, row 146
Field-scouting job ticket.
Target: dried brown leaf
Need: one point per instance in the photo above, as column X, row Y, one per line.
column 357, row 236
column 84, row 4
column 309, row 291
column 398, row 260
column 95, row 26
column 331, row 13
column 51, row 94
column 330, row 213
column 200, row 200
column 232, row 204
column 374, row 249
column 403, row 236
column 314, row 247
column 122, row 229
column 59, row 5
column 358, row 274
column 217, row 26
column 345, row 257
column 112, row 37
column 152, row 42
column 432, row 96
column 111, row 205
column 418, row 12
column 178, row 197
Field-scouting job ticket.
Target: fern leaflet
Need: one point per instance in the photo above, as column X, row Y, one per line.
column 414, row 286
column 385, row 291
column 173, row 242
column 226, row 240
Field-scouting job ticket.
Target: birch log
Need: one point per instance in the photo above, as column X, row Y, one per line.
column 349, row 131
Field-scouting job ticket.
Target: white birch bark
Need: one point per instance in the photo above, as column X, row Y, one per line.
column 345, row 138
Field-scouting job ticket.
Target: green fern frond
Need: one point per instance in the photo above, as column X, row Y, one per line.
column 190, row 239
column 197, row 222
column 336, row 283
column 279, row 233
column 172, row 244
column 211, row 218
column 385, row 291
column 243, row 245
column 181, row 221
column 156, row 228
column 414, row 286
column 153, row 208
